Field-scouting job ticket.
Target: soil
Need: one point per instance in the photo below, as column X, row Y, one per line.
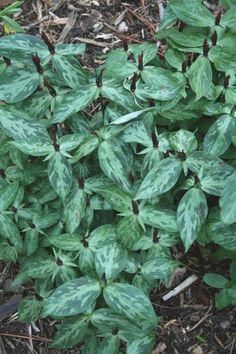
column 189, row 322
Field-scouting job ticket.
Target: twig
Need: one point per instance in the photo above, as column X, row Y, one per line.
column 2, row 347
column 204, row 317
column 145, row 22
column 91, row 41
column 233, row 345
column 187, row 282
column 40, row 339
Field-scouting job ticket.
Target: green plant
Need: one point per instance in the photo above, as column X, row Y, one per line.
column 10, row 25
column 102, row 173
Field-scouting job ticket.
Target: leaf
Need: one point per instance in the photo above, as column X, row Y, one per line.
column 66, row 71
column 11, row 25
column 159, row 268
column 129, row 231
column 70, row 332
column 69, row 142
column 191, row 214
column 31, row 241
column 130, row 116
column 66, row 242
column 110, row 260
column 34, row 147
column 200, row 77
column 109, row 345
column 70, row 49
column 23, row 46
column 20, row 126
column 215, row 280
column 119, row 199
column 160, row 84
column 17, row 84
column 72, row 298
column 141, row 345
column 102, row 236
column 29, row 309
column 60, row 175
column 160, row 178
column 130, row 302
column 183, row 140
column 228, row 19
column 112, row 162
column 87, row 146
column 228, row 201
column 75, row 205
column 76, row 101
column 214, row 181
column 39, row 267
column 194, row 13
column 219, row 136
column 164, row 219
column 9, row 230
column 7, row 195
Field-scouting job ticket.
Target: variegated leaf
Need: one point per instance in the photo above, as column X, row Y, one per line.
column 70, row 141
column 60, row 175
column 39, row 267
column 213, row 182
column 119, row 199
column 136, row 133
column 23, row 46
column 110, row 260
column 20, row 126
column 129, row 231
column 70, row 332
column 109, row 345
column 70, row 49
column 29, row 309
column 183, row 140
column 87, row 146
column 224, row 237
column 112, row 162
column 17, row 84
column 34, row 147
column 31, row 240
column 103, row 235
column 7, row 195
column 9, row 230
column 72, row 298
column 76, row 101
column 160, row 178
column 228, row 201
column 200, row 77
column 159, row 268
column 75, row 205
column 191, row 214
column 107, row 320
column 66, row 242
column 164, row 219
column 66, row 71
column 219, row 136
column 130, row 302
column 141, row 345
column 87, row 261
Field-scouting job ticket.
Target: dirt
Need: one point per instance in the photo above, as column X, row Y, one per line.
column 190, row 324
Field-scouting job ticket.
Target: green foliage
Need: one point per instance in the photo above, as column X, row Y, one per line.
column 101, row 173
column 9, row 24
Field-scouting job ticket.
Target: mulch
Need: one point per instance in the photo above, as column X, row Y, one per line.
column 189, row 322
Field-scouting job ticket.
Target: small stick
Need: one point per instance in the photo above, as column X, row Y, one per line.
column 187, row 282
column 40, row 339
column 233, row 345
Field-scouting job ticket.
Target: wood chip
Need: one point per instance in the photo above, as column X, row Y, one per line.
column 196, row 350
column 160, row 348
column 68, row 27
column 93, row 42
column 187, row 282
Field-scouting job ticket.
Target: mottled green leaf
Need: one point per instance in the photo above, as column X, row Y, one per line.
column 75, row 205
column 183, row 140
column 72, row 298
column 219, row 136
column 34, row 147
column 200, row 77
column 7, row 195
column 9, row 230
column 109, row 345
column 228, row 201
column 119, row 199
column 31, row 240
column 66, row 242
column 130, row 302
column 164, row 219
column 60, row 175
column 29, row 309
column 103, row 235
column 193, row 13
column 110, row 260
column 141, row 345
column 87, row 146
column 70, row 48
column 129, row 231
column 112, row 162
column 191, row 214
column 160, row 178
column 159, row 268
column 70, row 332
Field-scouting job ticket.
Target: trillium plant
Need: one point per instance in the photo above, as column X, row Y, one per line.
column 103, row 172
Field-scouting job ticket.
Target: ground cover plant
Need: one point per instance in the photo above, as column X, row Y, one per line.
column 103, row 172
